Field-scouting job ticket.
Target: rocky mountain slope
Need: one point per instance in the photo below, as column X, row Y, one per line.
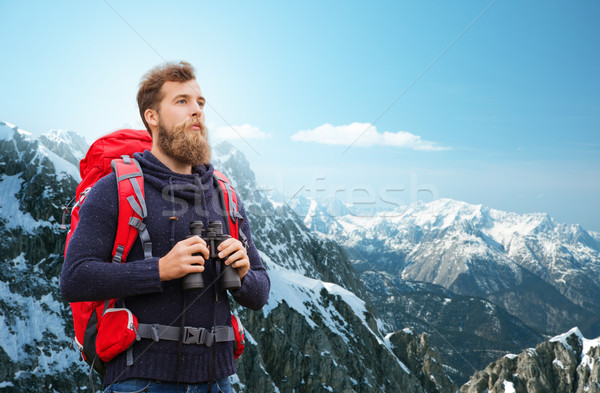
column 314, row 335
column 566, row 363
column 468, row 331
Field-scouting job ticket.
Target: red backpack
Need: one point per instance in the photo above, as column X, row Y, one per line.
column 102, row 331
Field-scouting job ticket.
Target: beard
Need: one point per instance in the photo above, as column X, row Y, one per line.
column 185, row 145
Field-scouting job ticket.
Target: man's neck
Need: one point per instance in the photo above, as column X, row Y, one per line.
column 174, row 165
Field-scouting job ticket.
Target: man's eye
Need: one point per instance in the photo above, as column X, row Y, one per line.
column 201, row 104
column 182, row 101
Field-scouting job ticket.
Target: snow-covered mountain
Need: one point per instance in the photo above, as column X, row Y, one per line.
column 34, row 339
column 67, row 144
column 316, row 334
column 342, row 292
column 319, row 216
column 544, row 272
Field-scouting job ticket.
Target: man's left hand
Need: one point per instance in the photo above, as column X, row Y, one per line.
column 237, row 256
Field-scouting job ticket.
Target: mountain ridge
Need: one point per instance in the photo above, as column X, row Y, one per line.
column 477, row 251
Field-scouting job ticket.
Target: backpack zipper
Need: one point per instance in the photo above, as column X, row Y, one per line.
column 130, row 324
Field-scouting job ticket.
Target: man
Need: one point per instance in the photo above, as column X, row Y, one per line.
column 179, row 189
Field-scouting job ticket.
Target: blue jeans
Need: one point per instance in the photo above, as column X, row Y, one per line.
column 137, row 385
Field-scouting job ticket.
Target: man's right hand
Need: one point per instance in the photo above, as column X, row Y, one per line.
column 180, row 262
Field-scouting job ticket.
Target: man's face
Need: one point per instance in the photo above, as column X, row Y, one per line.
column 181, row 130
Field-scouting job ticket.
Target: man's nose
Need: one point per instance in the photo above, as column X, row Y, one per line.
column 196, row 110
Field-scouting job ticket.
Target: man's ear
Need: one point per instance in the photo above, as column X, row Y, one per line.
column 151, row 117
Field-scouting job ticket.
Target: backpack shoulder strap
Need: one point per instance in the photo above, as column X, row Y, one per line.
column 132, row 208
column 229, row 201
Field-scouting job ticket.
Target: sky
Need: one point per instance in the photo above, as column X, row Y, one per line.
column 488, row 102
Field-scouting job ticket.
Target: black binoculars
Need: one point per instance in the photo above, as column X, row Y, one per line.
column 229, row 278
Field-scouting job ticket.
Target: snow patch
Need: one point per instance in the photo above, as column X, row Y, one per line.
column 62, row 167
column 562, row 338
column 508, row 387
column 36, row 320
column 587, row 347
column 558, row 364
column 10, row 210
column 7, row 131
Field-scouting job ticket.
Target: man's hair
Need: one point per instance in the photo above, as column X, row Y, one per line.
column 150, row 93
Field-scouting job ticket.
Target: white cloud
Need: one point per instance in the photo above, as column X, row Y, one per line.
column 245, row 131
column 364, row 134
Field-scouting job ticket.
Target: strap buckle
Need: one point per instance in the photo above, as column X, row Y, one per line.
column 192, row 335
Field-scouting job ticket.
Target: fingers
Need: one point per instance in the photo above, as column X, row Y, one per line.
column 180, row 261
column 189, row 255
column 195, row 245
column 241, row 265
column 228, row 243
column 192, row 240
column 236, row 256
column 230, row 246
column 193, row 268
column 201, row 249
column 184, row 261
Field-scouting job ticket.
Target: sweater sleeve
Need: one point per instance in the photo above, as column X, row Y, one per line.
column 256, row 284
column 86, row 275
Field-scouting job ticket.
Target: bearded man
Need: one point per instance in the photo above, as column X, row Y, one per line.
column 179, row 189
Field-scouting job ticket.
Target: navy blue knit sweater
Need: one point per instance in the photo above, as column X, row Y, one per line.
column 86, row 275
